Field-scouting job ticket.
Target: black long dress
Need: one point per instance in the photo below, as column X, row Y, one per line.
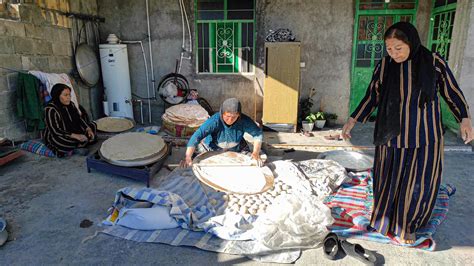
column 407, row 169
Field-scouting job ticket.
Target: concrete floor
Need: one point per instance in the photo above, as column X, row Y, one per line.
column 44, row 201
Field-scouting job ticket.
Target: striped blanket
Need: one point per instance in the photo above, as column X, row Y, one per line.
column 351, row 208
column 193, row 206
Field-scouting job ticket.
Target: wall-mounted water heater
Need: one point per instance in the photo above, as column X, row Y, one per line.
column 116, row 77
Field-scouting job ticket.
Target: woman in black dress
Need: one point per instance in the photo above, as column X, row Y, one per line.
column 408, row 131
column 67, row 127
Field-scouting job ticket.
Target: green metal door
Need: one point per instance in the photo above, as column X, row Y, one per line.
column 373, row 17
column 439, row 40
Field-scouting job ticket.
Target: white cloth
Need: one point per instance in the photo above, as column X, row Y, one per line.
column 51, row 79
column 296, row 220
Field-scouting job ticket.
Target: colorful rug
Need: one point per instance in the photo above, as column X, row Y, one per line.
column 351, row 207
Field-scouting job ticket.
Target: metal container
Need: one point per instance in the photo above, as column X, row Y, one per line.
column 351, row 160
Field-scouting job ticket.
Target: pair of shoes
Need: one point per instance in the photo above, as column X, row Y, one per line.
column 332, row 245
column 3, row 231
column 81, row 151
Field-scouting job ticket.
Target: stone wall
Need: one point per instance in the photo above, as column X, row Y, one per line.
column 39, row 39
column 466, row 76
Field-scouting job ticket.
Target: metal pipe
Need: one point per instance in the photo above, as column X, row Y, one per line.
column 184, row 17
column 151, row 58
column 141, row 111
column 141, row 108
column 189, row 28
column 146, row 74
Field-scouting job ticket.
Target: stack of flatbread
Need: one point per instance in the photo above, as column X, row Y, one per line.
column 114, row 124
column 132, row 146
column 190, row 115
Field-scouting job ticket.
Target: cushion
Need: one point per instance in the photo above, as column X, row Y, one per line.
column 38, row 147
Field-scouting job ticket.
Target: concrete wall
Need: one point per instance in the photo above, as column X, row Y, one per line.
column 466, row 76
column 324, row 28
column 320, row 30
column 39, row 39
column 127, row 20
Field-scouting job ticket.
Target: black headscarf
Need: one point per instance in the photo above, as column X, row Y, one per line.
column 423, row 82
column 69, row 113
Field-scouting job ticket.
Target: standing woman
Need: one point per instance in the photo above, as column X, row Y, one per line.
column 66, row 128
column 408, row 131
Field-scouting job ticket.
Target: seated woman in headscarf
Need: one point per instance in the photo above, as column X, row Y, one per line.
column 225, row 131
column 66, row 128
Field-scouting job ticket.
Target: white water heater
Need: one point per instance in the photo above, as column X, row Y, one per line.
column 116, row 77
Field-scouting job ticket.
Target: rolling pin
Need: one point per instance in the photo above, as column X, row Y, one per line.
column 174, row 165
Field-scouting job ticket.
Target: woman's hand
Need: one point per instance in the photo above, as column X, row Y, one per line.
column 79, row 137
column 258, row 160
column 346, row 129
column 89, row 133
column 186, row 162
column 466, row 130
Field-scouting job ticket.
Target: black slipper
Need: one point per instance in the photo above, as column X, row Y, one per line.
column 358, row 252
column 331, row 246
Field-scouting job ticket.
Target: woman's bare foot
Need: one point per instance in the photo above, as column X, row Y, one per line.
column 409, row 239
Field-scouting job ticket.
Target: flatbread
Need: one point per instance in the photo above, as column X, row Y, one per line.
column 227, row 158
column 242, row 179
column 114, row 124
column 186, row 114
column 231, row 172
column 131, row 146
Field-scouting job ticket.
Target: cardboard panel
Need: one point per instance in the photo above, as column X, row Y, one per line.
column 281, row 89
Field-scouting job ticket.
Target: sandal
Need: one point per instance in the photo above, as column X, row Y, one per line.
column 358, row 252
column 331, row 246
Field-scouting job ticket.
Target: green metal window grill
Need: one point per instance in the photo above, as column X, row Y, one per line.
column 441, row 26
column 225, row 36
column 439, row 40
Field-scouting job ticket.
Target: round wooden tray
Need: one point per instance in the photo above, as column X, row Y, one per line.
column 235, row 160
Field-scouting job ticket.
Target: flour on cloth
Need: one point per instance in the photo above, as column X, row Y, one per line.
column 131, row 146
column 325, row 175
